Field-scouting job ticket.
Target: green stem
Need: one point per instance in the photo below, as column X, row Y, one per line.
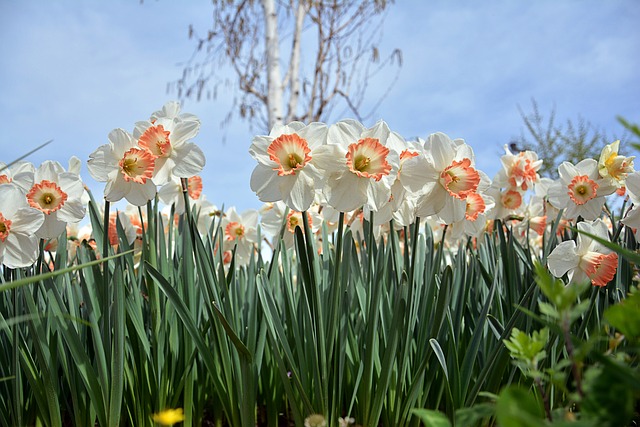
column 414, row 249
column 106, row 300
column 570, row 352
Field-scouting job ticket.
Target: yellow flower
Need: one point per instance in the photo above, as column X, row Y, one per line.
column 169, row 417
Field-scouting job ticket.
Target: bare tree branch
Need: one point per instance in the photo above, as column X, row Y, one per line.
column 329, row 49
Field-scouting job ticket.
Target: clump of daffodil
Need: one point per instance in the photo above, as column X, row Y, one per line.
column 169, row 417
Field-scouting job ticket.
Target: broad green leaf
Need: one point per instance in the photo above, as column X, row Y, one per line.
column 625, row 316
column 432, row 418
column 517, row 407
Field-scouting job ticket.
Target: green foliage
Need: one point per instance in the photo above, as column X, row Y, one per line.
column 607, row 401
column 432, row 418
column 517, row 407
column 625, row 317
column 357, row 329
column 528, row 350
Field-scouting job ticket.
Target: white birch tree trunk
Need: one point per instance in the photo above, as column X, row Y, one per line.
column 272, row 49
column 294, row 64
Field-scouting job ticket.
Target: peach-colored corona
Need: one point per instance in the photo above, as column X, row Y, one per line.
column 582, row 189
column 367, row 158
column 290, row 152
column 294, row 219
column 194, row 187
column 600, row 268
column 234, row 230
column 511, row 199
column 475, row 206
column 156, row 140
column 5, row 228
column 137, row 165
column 46, row 196
column 460, row 179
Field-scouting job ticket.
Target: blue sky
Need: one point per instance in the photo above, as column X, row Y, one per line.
column 74, row 70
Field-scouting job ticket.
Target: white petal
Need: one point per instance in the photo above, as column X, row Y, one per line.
column 264, row 182
column 170, row 192
column 432, row 202
column 26, row 220
column 258, row 150
column 72, row 211
column 380, row 131
column 557, row 194
column 250, row 218
column 588, row 167
column 345, row 132
column 75, row 164
column 183, row 132
column 71, row 184
column 346, row 192
column 297, row 191
column 49, row 171
column 563, row 258
column 453, row 210
column 162, row 170
column 329, row 158
column 418, row 173
column 116, row 189
column 592, row 209
column 378, row 194
column 632, row 219
column 567, row 171
column 101, row 162
column 20, row 250
column 441, row 149
column 52, row 227
column 315, row 134
column 189, row 161
column 122, row 141
column 633, row 186
column 12, row 198
column 140, row 194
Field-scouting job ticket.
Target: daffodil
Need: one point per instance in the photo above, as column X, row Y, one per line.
column 171, row 192
column 125, row 167
column 444, row 178
column 286, row 169
column 18, row 224
column 240, row 231
column 580, row 190
column 167, row 136
column 273, row 215
column 519, row 171
column 587, row 259
column 614, row 167
column 58, row 194
column 359, row 164
column 20, row 173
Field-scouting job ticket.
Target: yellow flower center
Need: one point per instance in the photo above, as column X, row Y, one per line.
column 290, row 152
column 582, row 189
column 46, row 196
column 460, row 179
column 368, row 159
column 234, row 231
column 137, row 165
